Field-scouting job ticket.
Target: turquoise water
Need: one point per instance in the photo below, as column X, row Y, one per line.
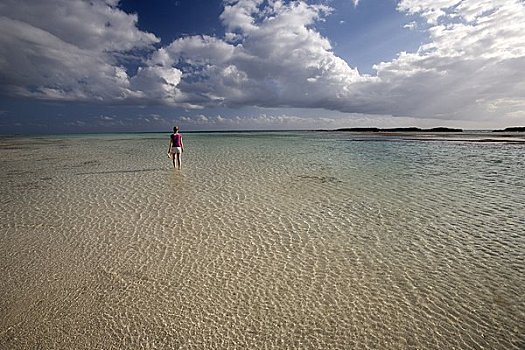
column 263, row 240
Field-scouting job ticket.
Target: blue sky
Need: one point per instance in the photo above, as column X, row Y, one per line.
column 108, row 65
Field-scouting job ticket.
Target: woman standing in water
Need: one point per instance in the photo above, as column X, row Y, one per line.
column 176, row 148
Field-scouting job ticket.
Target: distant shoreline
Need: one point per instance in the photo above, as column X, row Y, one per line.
column 514, row 129
column 415, row 129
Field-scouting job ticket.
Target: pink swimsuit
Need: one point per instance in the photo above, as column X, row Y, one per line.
column 176, row 139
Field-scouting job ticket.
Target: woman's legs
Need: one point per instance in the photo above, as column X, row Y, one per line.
column 179, row 160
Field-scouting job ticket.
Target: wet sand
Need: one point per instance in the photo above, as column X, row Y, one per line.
column 381, row 245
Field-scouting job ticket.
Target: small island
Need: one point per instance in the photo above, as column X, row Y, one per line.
column 512, row 129
column 409, row 129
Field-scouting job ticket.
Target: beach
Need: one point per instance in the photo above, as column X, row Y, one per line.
column 264, row 240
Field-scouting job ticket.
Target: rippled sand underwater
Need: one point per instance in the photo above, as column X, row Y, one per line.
column 262, row 241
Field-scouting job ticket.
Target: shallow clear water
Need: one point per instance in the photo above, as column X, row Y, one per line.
column 299, row 240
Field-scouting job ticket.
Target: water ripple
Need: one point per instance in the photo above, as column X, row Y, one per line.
column 384, row 244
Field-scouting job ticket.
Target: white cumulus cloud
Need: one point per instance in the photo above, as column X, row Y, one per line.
column 68, row 50
column 471, row 61
column 272, row 55
column 275, row 57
